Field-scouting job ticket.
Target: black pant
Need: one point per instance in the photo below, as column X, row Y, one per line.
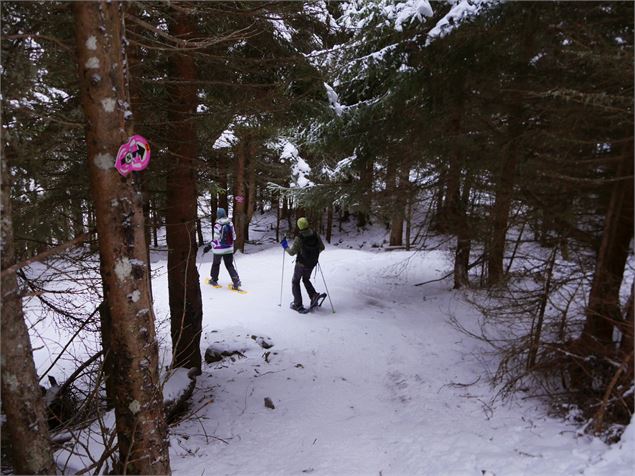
column 229, row 264
column 301, row 272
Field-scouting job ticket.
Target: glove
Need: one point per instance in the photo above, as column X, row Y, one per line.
column 207, row 248
column 284, row 243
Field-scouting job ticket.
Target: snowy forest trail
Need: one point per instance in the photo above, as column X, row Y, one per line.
column 380, row 387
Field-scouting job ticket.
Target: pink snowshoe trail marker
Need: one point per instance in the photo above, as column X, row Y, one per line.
column 133, row 156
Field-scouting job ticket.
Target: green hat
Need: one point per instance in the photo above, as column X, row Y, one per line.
column 303, row 223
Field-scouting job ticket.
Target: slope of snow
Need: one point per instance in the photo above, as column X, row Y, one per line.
column 382, row 386
column 385, row 385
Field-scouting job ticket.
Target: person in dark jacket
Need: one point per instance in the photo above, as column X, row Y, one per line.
column 307, row 246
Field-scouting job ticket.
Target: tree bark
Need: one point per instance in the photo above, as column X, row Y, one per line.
column 223, row 187
column 78, row 216
column 408, row 223
column 156, row 223
column 213, row 206
column 450, row 220
column 366, row 182
column 389, row 200
column 251, row 187
column 199, row 232
column 329, row 224
column 22, row 402
column 276, row 198
column 141, row 428
column 511, row 158
column 397, row 192
column 535, row 332
column 603, row 310
column 504, row 195
column 290, row 221
column 463, row 238
column 186, row 309
column 500, row 214
column 239, row 193
column 628, row 324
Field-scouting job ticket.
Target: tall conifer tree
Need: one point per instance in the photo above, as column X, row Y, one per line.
column 138, row 401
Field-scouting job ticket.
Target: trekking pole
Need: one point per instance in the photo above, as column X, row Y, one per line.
column 328, row 294
column 282, row 278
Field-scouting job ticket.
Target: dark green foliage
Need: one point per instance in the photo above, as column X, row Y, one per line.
column 42, row 124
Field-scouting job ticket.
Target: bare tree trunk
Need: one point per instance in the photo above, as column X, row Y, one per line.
column 463, row 238
column 320, row 218
column 92, row 227
column 450, row 221
column 286, row 213
column 366, row 179
column 449, row 218
column 251, row 189
column 438, row 202
column 510, row 160
column 186, row 309
column 223, row 188
column 199, row 232
column 289, row 208
column 409, row 220
column 603, row 310
column 239, row 193
column 390, row 199
column 251, row 183
column 535, row 332
column 500, row 214
column 396, row 228
column 213, row 205
column 398, row 192
column 277, row 200
column 329, row 224
column 628, row 324
column 141, row 428
column 156, row 223
column 22, row 401
column 77, row 206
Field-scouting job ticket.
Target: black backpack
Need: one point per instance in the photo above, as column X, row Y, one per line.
column 310, row 250
column 226, row 235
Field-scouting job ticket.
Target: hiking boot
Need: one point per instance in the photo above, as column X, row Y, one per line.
column 297, row 307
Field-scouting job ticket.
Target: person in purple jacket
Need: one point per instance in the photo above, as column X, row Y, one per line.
column 222, row 247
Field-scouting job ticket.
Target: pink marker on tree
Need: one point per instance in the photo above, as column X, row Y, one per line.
column 133, row 156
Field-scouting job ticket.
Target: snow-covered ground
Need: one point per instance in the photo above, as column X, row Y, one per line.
column 385, row 385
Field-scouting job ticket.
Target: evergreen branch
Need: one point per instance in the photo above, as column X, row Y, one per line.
column 316, row 196
column 599, row 100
